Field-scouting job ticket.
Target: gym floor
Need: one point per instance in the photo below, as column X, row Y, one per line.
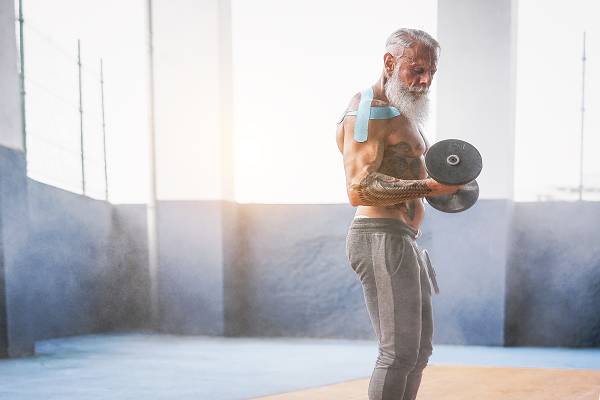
column 157, row 366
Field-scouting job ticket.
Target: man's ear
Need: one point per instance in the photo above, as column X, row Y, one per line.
column 389, row 62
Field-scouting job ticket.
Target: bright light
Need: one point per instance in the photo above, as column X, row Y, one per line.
column 296, row 66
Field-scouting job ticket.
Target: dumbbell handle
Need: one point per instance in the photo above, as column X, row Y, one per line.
column 440, row 189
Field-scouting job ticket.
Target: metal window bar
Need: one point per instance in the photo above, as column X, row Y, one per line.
column 90, row 124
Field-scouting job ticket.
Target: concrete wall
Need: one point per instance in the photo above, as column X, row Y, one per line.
column 291, row 277
column 281, row 270
column 191, row 267
column 284, row 273
column 16, row 334
column 129, row 265
column 193, row 86
column 15, row 326
column 469, row 251
column 478, row 57
column 553, row 282
column 87, row 264
column 69, row 264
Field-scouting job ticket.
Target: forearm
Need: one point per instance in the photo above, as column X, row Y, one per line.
column 377, row 189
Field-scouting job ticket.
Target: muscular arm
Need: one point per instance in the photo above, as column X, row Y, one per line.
column 368, row 187
column 377, row 189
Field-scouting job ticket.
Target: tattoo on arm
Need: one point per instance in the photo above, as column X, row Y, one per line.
column 378, row 189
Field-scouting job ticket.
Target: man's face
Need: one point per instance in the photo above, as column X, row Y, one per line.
column 417, row 67
column 408, row 79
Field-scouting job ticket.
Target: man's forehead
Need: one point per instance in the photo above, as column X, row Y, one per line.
column 420, row 55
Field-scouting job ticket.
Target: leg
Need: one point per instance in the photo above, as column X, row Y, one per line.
column 413, row 380
column 390, row 275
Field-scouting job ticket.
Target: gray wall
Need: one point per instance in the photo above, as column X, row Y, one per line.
column 15, row 328
column 478, row 40
column 87, row 261
column 553, row 283
column 191, row 267
column 69, row 264
column 16, row 333
column 285, row 273
column 280, row 270
column 128, row 260
column 291, row 278
column 469, row 250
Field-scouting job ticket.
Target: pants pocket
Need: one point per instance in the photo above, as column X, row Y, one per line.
column 355, row 246
column 395, row 249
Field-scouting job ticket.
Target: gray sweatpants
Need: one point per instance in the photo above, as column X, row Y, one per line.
column 397, row 290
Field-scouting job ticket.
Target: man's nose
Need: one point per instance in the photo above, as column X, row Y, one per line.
column 425, row 78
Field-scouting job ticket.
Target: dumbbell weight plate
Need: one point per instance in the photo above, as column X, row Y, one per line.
column 453, row 162
column 460, row 201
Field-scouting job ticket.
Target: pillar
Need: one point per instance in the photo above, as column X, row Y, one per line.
column 16, row 333
column 476, row 103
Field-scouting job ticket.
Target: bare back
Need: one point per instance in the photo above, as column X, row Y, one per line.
column 395, row 147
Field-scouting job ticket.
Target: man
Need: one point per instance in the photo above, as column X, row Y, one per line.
column 383, row 151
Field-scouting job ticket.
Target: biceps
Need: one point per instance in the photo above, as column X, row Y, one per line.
column 361, row 157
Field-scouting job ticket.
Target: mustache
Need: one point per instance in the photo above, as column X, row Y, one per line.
column 417, row 89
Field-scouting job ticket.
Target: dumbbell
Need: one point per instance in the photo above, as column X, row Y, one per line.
column 454, row 162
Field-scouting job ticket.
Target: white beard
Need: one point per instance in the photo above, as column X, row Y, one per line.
column 413, row 103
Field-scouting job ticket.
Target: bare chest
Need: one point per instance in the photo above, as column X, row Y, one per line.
column 403, row 153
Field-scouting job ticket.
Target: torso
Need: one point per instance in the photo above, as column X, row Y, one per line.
column 403, row 158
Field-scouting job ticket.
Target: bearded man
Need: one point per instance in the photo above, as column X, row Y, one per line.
column 383, row 150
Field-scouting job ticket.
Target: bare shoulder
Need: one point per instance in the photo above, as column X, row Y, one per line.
column 345, row 128
column 354, row 101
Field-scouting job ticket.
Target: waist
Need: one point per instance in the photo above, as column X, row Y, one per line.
column 411, row 212
column 389, row 225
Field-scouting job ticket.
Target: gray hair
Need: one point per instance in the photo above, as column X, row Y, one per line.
column 405, row 37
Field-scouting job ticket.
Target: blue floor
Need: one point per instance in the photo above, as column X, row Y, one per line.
column 152, row 366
